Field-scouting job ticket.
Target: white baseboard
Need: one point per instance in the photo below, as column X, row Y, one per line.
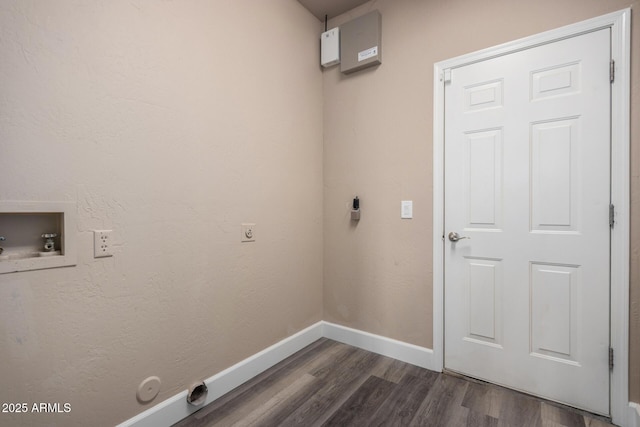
column 176, row 408
column 634, row 415
column 409, row 353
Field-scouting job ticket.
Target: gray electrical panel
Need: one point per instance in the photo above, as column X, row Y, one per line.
column 361, row 43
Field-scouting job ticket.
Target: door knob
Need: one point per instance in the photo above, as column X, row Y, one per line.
column 454, row 237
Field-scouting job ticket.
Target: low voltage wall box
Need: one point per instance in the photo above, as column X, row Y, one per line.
column 361, row 43
column 330, row 47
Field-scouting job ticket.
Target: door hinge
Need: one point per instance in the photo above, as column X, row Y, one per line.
column 610, row 358
column 612, row 213
column 446, row 75
column 612, row 70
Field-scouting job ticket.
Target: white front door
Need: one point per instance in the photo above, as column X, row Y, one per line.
column 527, row 181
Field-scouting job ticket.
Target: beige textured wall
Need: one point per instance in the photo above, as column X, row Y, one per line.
column 170, row 122
column 378, row 133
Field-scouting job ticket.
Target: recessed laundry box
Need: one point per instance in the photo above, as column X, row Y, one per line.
column 36, row 235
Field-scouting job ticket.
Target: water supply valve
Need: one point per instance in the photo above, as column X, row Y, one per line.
column 49, row 244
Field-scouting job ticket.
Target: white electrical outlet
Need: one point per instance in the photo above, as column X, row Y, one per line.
column 102, row 243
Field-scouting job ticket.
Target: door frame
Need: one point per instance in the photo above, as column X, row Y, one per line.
column 620, row 24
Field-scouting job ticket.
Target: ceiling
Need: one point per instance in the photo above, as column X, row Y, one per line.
column 331, row 8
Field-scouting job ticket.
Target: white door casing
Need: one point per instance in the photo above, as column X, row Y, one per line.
column 545, row 272
column 527, row 182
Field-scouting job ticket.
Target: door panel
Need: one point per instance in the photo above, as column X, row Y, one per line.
column 554, row 328
column 554, row 156
column 485, row 305
column 527, row 180
column 483, row 154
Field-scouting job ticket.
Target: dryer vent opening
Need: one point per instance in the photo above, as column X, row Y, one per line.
column 197, row 394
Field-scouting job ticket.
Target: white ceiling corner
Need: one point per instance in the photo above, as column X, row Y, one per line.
column 331, row 8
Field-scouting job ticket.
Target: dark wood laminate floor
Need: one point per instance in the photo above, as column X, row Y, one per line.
column 333, row 384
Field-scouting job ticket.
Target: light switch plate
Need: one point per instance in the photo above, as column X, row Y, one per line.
column 406, row 209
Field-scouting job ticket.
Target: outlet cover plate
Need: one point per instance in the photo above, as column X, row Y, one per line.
column 102, row 243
